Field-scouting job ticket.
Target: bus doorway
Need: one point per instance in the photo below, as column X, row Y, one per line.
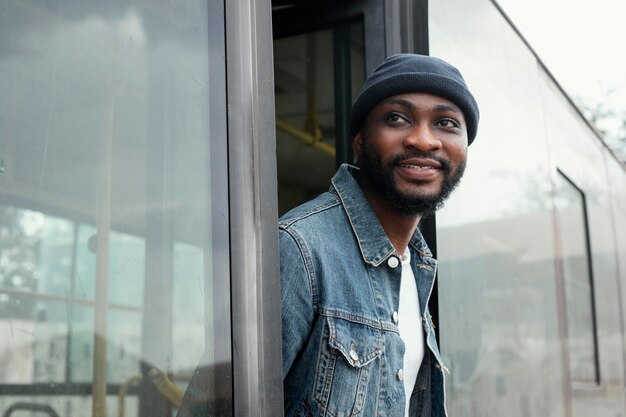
column 321, row 55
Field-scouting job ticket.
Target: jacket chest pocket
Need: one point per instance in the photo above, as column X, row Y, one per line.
column 345, row 366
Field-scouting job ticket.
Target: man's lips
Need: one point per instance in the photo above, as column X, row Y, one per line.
column 419, row 168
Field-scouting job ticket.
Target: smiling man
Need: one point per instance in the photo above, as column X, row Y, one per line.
column 356, row 274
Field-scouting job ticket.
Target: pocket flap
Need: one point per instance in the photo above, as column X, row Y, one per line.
column 359, row 344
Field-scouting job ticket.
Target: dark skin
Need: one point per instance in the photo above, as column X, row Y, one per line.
column 404, row 124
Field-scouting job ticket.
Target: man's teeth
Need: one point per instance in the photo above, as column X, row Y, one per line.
column 416, row 167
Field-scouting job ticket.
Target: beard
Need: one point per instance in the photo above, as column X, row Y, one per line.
column 383, row 182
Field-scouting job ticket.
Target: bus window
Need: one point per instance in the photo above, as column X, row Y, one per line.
column 109, row 190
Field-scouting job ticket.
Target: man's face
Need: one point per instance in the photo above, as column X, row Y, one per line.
column 412, row 151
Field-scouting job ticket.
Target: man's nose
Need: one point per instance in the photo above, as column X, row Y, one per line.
column 423, row 138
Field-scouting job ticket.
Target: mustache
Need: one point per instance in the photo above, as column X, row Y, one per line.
column 445, row 164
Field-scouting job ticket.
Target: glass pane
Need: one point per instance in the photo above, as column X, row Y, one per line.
column 499, row 321
column 106, row 207
column 574, row 240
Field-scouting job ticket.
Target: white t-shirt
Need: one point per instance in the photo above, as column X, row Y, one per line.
column 410, row 326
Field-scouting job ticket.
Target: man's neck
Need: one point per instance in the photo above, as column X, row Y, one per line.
column 398, row 227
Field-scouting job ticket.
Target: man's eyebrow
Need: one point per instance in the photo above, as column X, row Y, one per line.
column 400, row 101
column 440, row 108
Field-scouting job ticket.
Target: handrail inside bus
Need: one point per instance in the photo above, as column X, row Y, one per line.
column 34, row 407
column 311, row 134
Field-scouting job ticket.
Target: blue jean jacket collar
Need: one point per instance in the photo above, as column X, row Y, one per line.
column 373, row 242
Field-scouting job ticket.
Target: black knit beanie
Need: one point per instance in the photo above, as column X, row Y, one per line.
column 410, row 73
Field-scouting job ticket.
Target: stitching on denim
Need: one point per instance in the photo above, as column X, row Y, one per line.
column 308, row 264
column 355, row 318
column 358, row 240
column 321, row 391
column 335, row 355
column 328, row 381
column 284, row 224
column 424, row 266
column 361, row 390
column 380, row 373
column 419, row 244
column 431, row 342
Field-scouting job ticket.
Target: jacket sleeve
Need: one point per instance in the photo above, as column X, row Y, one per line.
column 296, row 298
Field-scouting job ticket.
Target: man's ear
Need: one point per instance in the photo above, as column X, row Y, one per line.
column 357, row 144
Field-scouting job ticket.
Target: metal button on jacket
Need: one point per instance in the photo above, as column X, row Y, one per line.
column 354, row 355
column 393, row 262
column 400, row 374
column 394, row 317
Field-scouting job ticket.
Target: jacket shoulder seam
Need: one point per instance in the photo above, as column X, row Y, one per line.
column 284, row 224
column 308, row 264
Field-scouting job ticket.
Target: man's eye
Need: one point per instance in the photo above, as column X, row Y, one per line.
column 448, row 123
column 395, row 118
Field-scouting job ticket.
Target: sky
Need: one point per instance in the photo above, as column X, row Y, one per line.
column 582, row 44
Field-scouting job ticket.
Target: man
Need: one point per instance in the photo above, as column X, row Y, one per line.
column 356, row 274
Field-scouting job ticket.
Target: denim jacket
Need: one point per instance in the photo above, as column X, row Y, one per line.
column 340, row 284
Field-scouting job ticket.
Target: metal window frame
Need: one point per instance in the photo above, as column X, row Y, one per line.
column 222, row 373
column 578, row 385
column 255, row 300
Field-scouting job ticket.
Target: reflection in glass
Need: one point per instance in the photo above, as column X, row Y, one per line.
column 499, row 324
column 576, row 269
column 106, row 282
column 188, row 308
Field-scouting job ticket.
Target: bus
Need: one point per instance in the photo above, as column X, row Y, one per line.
column 147, row 149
